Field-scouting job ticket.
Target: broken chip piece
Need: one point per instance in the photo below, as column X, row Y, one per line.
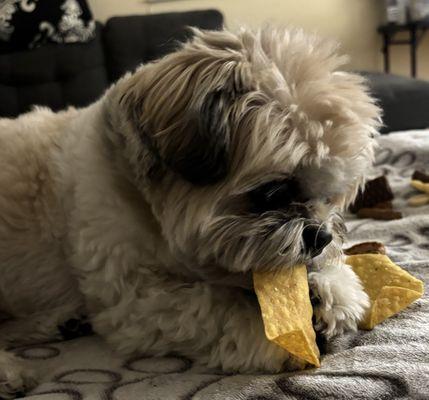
column 421, row 186
column 286, row 311
column 419, row 199
column 389, row 287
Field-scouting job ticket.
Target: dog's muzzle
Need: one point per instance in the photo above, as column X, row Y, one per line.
column 315, row 239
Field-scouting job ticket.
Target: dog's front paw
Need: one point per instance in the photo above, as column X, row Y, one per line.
column 15, row 378
column 342, row 301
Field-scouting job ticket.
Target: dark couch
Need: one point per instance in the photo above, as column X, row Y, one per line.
column 78, row 74
column 405, row 101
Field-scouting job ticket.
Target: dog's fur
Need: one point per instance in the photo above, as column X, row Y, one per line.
column 137, row 210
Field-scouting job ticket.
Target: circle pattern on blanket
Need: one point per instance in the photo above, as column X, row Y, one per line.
column 359, row 386
column 60, row 394
column 161, row 386
column 164, row 365
column 424, row 231
column 383, row 156
column 85, row 376
column 39, row 352
column 261, row 398
column 399, row 241
column 199, row 388
column 356, row 227
column 387, row 157
column 405, row 159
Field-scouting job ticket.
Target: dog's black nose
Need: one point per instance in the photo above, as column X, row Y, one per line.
column 315, row 239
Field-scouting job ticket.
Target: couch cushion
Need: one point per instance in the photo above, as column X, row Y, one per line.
column 132, row 40
column 29, row 24
column 53, row 75
column 404, row 101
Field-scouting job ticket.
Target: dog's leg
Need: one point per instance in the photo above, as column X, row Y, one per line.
column 220, row 327
column 15, row 376
column 36, row 328
column 342, row 300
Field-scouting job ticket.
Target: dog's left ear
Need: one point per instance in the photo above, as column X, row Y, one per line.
column 199, row 151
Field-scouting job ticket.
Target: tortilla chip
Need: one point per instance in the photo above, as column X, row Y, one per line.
column 388, row 286
column 418, row 200
column 419, row 185
column 287, row 312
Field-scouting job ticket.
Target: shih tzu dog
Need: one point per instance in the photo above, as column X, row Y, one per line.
column 149, row 209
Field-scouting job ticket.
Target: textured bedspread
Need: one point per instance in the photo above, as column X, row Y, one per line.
column 390, row 362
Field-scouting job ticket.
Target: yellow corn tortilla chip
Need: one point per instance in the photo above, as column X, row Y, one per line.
column 418, row 200
column 419, row 185
column 286, row 311
column 388, row 286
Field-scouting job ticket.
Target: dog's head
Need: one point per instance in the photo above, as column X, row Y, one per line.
column 247, row 145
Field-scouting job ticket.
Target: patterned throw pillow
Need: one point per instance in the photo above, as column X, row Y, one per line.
column 26, row 24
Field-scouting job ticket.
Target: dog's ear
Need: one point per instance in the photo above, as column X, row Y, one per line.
column 200, row 153
column 183, row 128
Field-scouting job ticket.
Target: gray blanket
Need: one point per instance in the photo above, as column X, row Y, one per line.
column 390, row 362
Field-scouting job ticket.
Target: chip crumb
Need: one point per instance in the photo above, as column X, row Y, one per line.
column 379, row 213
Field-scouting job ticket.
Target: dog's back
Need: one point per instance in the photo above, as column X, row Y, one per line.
column 32, row 224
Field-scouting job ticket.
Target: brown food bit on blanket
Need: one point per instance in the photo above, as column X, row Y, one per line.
column 366, row 248
column 376, row 191
column 375, row 201
column 420, row 176
column 379, row 213
column 384, row 205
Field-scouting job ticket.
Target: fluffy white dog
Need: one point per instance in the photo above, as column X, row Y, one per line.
column 149, row 209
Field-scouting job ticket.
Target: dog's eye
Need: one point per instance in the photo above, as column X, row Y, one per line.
column 274, row 195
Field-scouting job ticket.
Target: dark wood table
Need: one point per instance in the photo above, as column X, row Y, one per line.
column 416, row 31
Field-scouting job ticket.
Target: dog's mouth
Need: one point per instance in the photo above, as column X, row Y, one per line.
column 236, row 246
column 272, row 240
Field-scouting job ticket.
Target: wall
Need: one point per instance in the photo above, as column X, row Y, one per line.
column 352, row 22
column 400, row 58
